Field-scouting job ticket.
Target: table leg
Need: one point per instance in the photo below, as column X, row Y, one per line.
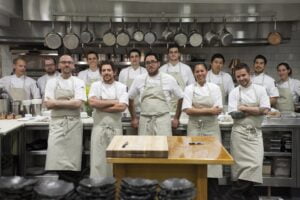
column 119, row 171
column 201, row 182
column 0, row 155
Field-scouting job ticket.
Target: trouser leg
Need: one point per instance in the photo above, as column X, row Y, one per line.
column 213, row 189
column 236, row 192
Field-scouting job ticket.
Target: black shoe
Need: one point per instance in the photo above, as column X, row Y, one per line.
column 213, row 189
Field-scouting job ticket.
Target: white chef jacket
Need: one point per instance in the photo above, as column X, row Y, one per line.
column 208, row 89
column 169, row 85
column 186, row 72
column 293, row 85
column 72, row 83
column 116, row 90
column 31, row 89
column 131, row 72
column 266, row 81
column 41, row 82
column 251, row 94
column 222, row 78
column 88, row 74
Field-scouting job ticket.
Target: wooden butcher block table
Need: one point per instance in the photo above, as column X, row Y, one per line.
column 163, row 157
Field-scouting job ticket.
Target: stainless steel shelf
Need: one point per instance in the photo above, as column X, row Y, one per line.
column 44, row 152
column 278, row 154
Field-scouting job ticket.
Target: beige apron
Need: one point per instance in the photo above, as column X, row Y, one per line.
column 129, row 82
column 17, row 94
column 178, row 77
column 285, row 101
column 65, row 136
column 246, row 146
column 155, row 116
column 222, row 88
column 205, row 125
column 106, row 126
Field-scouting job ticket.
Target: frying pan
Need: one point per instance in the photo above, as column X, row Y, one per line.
column 211, row 37
column 225, row 37
column 168, row 33
column 138, row 35
column 150, row 36
column 109, row 37
column 180, row 37
column 123, row 38
column 195, row 38
column 53, row 40
column 71, row 40
column 86, row 36
column 274, row 37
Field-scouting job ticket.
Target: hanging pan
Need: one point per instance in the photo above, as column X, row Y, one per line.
column 71, row 40
column 225, row 37
column 109, row 37
column 150, row 36
column 123, row 37
column 274, row 38
column 86, row 36
column 53, row 40
column 211, row 38
column 168, row 34
column 195, row 38
column 180, row 37
column 138, row 35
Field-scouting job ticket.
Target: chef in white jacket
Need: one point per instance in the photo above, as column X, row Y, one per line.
column 259, row 77
column 180, row 71
column 51, row 72
column 288, row 87
column 246, row 143
column 217, row 76
column 64, row 95
column 128, row 74
column 203, row 103
column 19, row 86
column 155, row 90
column 109, row 98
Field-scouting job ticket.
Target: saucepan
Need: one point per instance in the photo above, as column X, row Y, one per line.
column 86, row 36
column 180, row 37
column 123, row 37
column 71, row 40
column 53, row 40
column 109, row 37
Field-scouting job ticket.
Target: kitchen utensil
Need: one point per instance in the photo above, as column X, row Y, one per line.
column 51, row 188
column 36, row 107
column 274, row 37
column 26, row 106
column 211, row 37
column 4, row 106
column 109, row 37
column 150, row 36
column 16, row 106
column 123, row 37
column 53, row 40
column 180, row 37
column 71, row 40
column 86, row 36
column 225, row 37
column 168, row 34
column 195, row 38
column 138, row 35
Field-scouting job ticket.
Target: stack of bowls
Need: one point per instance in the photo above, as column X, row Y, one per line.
column 176, row 189
column 55, row 190
column 17, row 188
column 138, row 189
column 97, row 189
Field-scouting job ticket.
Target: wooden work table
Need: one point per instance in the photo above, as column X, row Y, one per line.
column 188, row 158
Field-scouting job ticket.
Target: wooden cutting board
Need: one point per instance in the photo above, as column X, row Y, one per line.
column 138, row 147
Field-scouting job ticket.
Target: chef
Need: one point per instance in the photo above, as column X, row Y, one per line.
column 90, row 75
column 260, row 78
column 155, row 90
column 203, row 103
column 246, row 143
column 128, row 74
column 289, row 88
column 50, row 69
column 180, row 71
column 222, row 79
column 109, row 98
column 19, row 86
column 65, row 94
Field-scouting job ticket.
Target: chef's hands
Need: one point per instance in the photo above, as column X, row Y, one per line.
column 50, row 103
column 175, row 123
column 243, row 108
column 135, row 122
column 216, row 110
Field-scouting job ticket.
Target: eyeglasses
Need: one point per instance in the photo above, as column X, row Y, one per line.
column 66, row 62
column 151, row 62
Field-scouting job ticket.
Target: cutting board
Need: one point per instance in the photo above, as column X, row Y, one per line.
column 138, row 147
